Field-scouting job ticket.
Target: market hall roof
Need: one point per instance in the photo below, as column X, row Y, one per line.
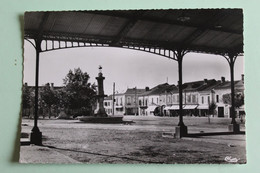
column 214, row 31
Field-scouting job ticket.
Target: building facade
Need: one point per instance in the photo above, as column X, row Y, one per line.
column 132, row 99
column 163, row 99
column 108, row 105
column 223, row 98
column 151, row 101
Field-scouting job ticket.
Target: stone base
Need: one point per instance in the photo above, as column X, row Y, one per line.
column 180, row 131
column 36, row 138
column 100, row 112
column 234, row 128
column 103, row 120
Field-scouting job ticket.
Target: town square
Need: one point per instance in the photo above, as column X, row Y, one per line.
column 134, row 86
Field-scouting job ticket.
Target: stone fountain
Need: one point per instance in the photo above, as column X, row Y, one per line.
column 100, row 115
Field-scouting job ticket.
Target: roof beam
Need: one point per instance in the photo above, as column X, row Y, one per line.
column 203, row 28
column 161, row 20
column 127, row 27
column 42, row 24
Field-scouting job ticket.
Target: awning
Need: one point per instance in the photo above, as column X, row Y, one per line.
column 166, row 108
column 190, row 106
column 175, row 107
column 203, row 107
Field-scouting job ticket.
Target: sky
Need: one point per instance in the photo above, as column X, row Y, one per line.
column 127, row 68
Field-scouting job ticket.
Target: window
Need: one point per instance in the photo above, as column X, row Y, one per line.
column 157, row 100
column 152, row 100
column 208, row 99
column 140, row 102
column 169, row 99
column 202, row 100
column 188, row 98
column 105, row 103
column 173, row 99
column 217, row 98
column 193, row 98
column 134, row 99
column 128, row 100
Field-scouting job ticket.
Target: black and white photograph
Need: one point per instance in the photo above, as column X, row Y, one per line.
column 133, row 87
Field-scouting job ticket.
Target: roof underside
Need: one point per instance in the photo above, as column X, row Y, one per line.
column 215, row 31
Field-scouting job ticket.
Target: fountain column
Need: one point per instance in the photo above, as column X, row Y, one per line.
column 100, row 110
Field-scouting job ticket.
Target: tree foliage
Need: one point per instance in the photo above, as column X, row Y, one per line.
column 48, row 99
column 26, row 97
column 239, row 99
column 80, row 94
column 48, row 96
column 212, row 108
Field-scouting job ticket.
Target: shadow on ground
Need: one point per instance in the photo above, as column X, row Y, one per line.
column 99, row 154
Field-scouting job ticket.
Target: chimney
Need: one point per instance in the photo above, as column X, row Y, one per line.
column 242, row 77
column 223, row 79
column 52, row 85
column 146, row 88
column 205, row 81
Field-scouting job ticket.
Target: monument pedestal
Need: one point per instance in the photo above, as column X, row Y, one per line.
column 100, row 110
column 100, row 113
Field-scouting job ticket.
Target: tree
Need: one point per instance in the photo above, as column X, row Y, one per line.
column 80, row 94
column 48, row 98
column 212, row 107
column 26, row 99
column 61, row 96
column 239, row 99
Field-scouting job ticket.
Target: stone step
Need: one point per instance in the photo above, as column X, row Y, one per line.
column 25, row 141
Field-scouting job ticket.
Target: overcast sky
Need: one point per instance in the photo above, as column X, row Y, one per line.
column 127, row 68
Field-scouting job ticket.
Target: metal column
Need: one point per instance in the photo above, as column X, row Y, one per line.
column 181, row 129
column 234, row 126
column 36, row 135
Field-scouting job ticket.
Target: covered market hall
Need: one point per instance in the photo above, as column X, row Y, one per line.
column 169, row 33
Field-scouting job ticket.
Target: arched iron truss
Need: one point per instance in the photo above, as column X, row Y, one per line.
column 51, row 45
column 232, row 59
